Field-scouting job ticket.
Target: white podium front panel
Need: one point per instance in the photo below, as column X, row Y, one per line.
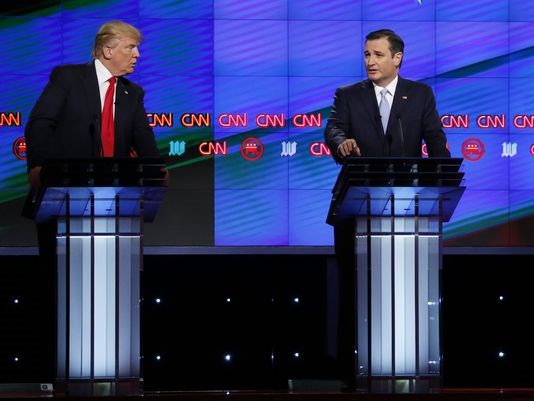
column 98, row 297
column 398, row 264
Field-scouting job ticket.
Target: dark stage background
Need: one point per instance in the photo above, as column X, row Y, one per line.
column 245, row 305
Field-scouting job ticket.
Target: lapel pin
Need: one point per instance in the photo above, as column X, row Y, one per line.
column 405, row 97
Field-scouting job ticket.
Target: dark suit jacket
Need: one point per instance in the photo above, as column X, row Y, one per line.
column 65, row 121
column 355, row 115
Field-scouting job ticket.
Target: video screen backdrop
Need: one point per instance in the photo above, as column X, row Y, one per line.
column 239, row 91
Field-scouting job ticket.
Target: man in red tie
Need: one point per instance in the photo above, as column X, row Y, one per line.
column 89, row 110
column 81, row 114
column 108, row 125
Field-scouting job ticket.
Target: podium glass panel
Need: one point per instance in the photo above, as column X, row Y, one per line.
column 100, row 292
column 397, row 206
column 100, row 206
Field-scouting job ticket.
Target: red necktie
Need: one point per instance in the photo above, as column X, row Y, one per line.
column 108, row 128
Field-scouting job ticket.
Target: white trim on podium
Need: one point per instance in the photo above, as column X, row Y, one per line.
column 398, row 297
column 99, row 295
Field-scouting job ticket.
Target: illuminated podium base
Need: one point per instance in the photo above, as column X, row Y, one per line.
column 99, row 262
column 397, row 206
column 398, row 296
column 100, row 207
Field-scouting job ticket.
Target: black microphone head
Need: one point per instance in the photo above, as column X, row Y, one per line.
column 93, row 124
column 401, row 134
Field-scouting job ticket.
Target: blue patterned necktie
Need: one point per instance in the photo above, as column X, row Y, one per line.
column 384, row 109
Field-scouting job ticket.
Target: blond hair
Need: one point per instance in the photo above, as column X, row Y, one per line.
column 112, row 31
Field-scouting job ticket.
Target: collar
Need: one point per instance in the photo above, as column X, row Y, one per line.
column 390, row 87
column 102, row 73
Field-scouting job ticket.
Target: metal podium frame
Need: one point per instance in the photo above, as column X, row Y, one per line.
column 398, row 206
column 100, row 206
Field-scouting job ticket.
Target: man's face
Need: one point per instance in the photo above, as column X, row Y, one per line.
column 382, row 67
column 123, row 56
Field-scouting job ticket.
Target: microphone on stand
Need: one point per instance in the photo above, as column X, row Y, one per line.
column 401, row 134
column 94, row 131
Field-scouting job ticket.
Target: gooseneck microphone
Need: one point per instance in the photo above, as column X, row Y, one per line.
column 94, row 131
column 95, row 121
column 399, row 120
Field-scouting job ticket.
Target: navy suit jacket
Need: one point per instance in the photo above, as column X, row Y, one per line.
column 412, row 120
column 65, row 121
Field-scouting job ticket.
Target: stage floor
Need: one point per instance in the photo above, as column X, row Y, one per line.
column 301, row 391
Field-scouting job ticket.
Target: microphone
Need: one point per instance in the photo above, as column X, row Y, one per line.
column 94, row 123
column 94, row 131
column 378, row 119
column 401, row 133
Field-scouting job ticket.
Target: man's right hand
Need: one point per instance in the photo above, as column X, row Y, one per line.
column 34, row 178
column 348, row 148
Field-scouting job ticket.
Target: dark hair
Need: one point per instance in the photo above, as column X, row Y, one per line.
column 396, row 44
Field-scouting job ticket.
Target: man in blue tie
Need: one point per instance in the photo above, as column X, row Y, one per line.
column 354, row 127
column 382, row 116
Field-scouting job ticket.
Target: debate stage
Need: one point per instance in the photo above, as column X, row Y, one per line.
column 306, row 391
column 477, row 323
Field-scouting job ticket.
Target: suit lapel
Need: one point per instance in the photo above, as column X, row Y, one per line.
column 400, row 101
column 90, row 85
column 122, row 105
column 371, row 107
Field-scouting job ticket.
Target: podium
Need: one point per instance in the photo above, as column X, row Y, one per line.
column 100, row 206
column 397, row 206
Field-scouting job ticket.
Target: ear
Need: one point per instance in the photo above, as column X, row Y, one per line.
column 107, row 52
column 397, row 58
